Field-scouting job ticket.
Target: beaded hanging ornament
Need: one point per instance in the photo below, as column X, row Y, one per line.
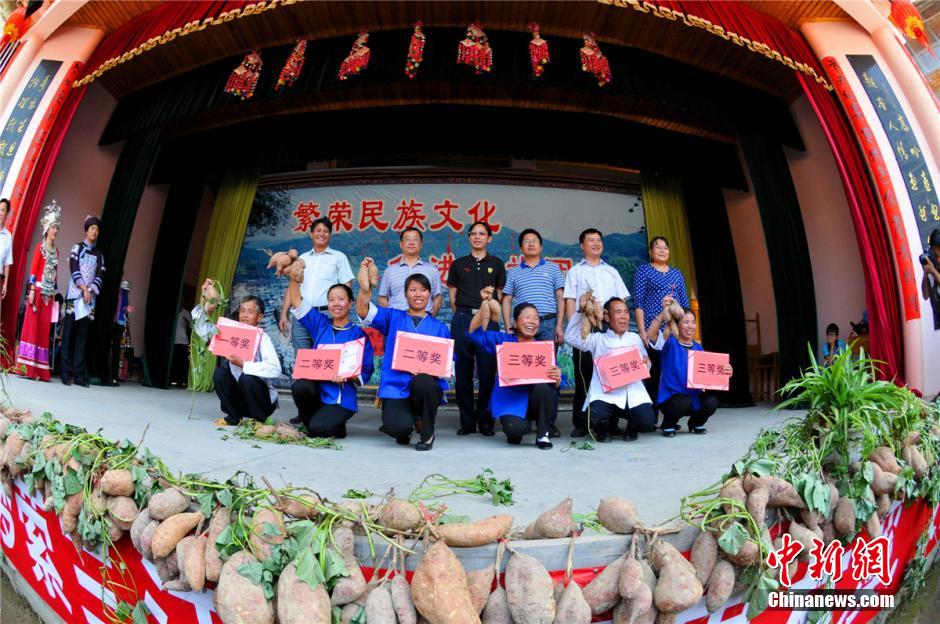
column 538, row 51
column 244, row 78
column 475, row 50
column 415, row 51
column 358, row 58
column 593, row 60
column 295, row 63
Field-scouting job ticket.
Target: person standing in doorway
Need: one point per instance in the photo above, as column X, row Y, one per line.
column 468, row 276
column 605, row 283
column 324, row 267
column 86, row 264
column 392, row 286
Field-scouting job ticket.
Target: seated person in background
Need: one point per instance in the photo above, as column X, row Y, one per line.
column 245, row 389
column 630, row 402
column 325, row 406
column 515, row 406
column 409, row 401
column 834, row 346
column 675, row 398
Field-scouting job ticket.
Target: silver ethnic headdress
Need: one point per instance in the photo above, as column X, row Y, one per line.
column 52, row 216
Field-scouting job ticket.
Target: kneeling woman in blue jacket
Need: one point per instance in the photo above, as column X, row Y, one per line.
column 325, row 406
column 515, row 406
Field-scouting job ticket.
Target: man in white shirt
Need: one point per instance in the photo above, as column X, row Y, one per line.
column 605, row 282
column 6, row 246
column 324, row 268
column 245, row 389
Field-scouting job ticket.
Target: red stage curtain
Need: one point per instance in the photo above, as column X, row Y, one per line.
column 881, row 279
column 884, row 314
column 154, row 23
column 32, row 206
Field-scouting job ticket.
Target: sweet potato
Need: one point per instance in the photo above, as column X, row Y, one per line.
column 19, row 462
column 115, row 533
column 666, row 618
column 221, row 518
column 556, row 522
column 97, row 503
column 303, row 508
column 720, row 586
column 631, row 577
column 73, row 506
column 844, row 519
column 137, row 528
column 298, row 603
column 379, row 609
column 873, row 525
column 912, row 455
column 11, row 449
column 804, row 536
column 400, row 515
column 781, row 493
column 496, row 610
column 194, row 570
column 886, row 459
column 146, row 539
column 747, row 555
column 283, row 430
column 829, row 531
column 811, row 518
column 351, row 587
column 603, row 592
column 573, row 608
column 117, row 483
column 734, row 490
column 182, row 549
column 633, row 609
column 479, row 533
column 163, row 568
column 618, row 515
column 479, row 582
column 172, row 530
column 529, row 589
column 123, row 511
column 663, row 552
column 833, row 500
column 238, row 600
column 267, row 530
column 757, row 504
column 439, row 588
column 401, row 600
column 265, row 431
column 677, row 588
column 883, row 482
column 704, row 554
column 177, row 585
column 167, row 503
column 352, row 611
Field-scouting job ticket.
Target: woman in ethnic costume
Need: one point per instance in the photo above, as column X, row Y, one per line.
column 32, row 356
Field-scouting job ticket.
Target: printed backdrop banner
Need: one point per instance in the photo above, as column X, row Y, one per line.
column 367, row 220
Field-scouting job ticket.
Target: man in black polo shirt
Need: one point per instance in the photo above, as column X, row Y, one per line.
column 467, row 277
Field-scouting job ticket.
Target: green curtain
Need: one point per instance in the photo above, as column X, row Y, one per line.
column 223, row 245
column 664, row 208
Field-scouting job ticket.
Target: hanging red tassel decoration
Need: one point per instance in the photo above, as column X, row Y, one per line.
column 293, row 66
column 909, row 21
column 358, row 58
column 244, row 78
column 594, row 62
column 475, row 50
column 538, row 51
column 415, row 51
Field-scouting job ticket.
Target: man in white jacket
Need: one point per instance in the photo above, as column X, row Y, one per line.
column 245, row 389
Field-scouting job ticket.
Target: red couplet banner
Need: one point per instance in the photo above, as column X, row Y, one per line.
column 72, row 584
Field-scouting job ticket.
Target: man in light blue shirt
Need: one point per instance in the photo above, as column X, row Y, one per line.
column 324, row 268
column 538, row 282
column 392, row 286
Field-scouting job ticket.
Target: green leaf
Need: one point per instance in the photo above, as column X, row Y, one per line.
column 206, row 502
column 336, row 615
column 39, row 463
column 139, row 473
column 868, row 473
column 759, row 595
column 140, row 613
column 252, row 571
column 308, row 569
column 73, row 483
column 269, row 529
column 333, row 564
column 733, row 539
column 360, row 617
column 357, row 494
column 224, row 497
column 761, row 467
column 123, row 611
column 452, row 519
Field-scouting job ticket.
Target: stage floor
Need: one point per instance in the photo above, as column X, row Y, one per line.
column 653, row 472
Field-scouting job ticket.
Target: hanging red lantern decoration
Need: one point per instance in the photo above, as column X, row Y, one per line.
column 244, row 78
column 538, row 51
column 475, row 50
column 415, row 51
column 292, row 68
column 358, row 58
column 16, row 25
column 909, row 21
column 594, row 62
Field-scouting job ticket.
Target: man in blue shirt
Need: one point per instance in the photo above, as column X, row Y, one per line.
column 538, row 282
column 392, row 286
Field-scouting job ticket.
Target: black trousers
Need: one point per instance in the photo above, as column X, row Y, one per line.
column 468, row 353
column 679, row 405
column 542, row 408
column 322, row 421
column 246, row 397
column 652, row 382
column 179, row 371
column 583, row 373
column 74, row 334
column 605, row 416
column 400, row 416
